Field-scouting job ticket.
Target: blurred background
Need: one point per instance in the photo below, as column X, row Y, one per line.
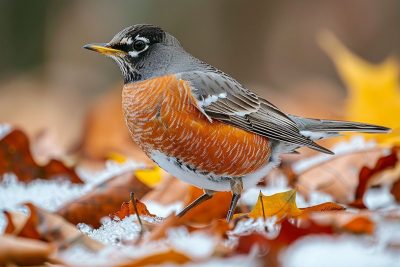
column 50, row 86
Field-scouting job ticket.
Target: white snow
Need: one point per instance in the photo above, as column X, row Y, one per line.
column 197, row 245
column 4, row 129
column 376, row 198
column 316, row 251
column 52, row 194
column 114, row 232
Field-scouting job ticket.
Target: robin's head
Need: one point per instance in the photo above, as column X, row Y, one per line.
column 141, row 51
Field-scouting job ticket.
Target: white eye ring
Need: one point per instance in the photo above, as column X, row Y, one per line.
column 136, row 52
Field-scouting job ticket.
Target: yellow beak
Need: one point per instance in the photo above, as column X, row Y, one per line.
column 104, row 49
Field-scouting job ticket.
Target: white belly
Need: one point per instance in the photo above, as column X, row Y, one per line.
column 171, row 165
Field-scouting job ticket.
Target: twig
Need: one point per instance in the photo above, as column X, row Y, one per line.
column 133, row 200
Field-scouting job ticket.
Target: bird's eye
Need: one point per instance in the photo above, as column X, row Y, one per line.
column 139, row 45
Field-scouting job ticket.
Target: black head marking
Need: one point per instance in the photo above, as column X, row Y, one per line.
column 152, row 33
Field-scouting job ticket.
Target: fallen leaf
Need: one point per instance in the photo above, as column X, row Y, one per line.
column 395, row 191
column 48, row 227
column 373, row 89
column 202, row 215
column 214, row 208
column 366, row 175
column 283, row 205
column 247, row 242
column 150, row 177
column 167, row 257
column 280, row 205
column 360, row 225
column 336, row 175
column 127, row 209
column 103, row 200
column 269, row 248
column 10, row 227
column 15, row 157
column 327, row 206
column 24, row 251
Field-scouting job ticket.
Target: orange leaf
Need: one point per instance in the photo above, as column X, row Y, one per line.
column 205, row 213
column 127, row 208
column 327, row 206
column 360, row 225
column 10, row 227
column 170, row 256
column 214, row 208
column 16, row 157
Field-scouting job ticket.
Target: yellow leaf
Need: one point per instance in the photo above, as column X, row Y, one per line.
column 283, row 205
column 280, row 205
column 150, row 177
column 117, row 157
column 373, row 89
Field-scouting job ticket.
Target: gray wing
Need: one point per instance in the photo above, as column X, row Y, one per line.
column 222, row 98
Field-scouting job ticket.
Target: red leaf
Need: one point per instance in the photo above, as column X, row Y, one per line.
column 16, row 157
column 395, row 191
column 367, row 173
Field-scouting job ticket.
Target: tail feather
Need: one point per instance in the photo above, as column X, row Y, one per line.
column 332, row 127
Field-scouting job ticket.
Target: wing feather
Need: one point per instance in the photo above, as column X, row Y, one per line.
column 222, row 98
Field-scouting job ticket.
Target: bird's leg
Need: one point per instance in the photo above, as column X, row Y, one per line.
column 237, row 188
column 206, row 196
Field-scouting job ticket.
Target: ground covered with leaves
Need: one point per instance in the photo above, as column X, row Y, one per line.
column 314, row 210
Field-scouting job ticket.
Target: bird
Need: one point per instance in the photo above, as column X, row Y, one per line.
column 200, row 124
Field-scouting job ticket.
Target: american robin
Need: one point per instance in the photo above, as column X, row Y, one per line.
column 200, row 124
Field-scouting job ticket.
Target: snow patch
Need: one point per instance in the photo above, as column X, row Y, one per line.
column 336, row 252
column 196, row 245
column 4, row 129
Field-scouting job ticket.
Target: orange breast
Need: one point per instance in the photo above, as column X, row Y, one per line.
column 162, row 115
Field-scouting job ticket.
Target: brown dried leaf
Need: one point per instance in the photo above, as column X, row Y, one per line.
column 16, row 157
column 337, row 176
column 103, row 200
column 51, row 228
